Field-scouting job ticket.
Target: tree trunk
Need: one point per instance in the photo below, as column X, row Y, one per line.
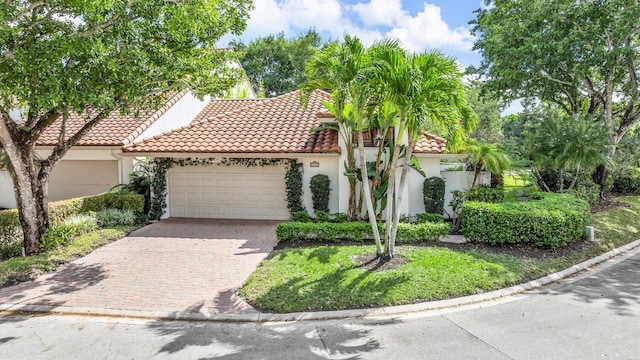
column 477, row 170
column 403, row 179
column 560, row 180
column 575, row 178
column 367, row 194
column 391, row 193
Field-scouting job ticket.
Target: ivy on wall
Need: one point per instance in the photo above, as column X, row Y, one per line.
column 320, row 186
column 162, row 165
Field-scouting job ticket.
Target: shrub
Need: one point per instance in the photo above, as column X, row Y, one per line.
column 428, row 217
column 339, row 217
column 61, row 233
column 553, row 221
column 301, row 216
column 59, row 211
column 626, row 180
column 433, row 193
column 485, row 193
column 114, row 217
column 404, row 218
column 357, row 231
column 322, row 216
column 293, row 187
column 320, row 186
column 113, row 200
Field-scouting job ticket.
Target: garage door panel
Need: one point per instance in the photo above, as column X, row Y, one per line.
column 234, row 192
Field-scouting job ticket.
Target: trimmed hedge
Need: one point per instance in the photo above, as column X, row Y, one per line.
column 11, row 234
column 552, row 221
column 433, row 190
column 357, row 231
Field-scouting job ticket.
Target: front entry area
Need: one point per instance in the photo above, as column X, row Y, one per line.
column 228, row 192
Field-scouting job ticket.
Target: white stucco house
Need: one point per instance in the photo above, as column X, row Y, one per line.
column 277, row 128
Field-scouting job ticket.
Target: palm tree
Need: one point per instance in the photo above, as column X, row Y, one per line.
column 344, row 69
column 428, row 92
column 487, row 157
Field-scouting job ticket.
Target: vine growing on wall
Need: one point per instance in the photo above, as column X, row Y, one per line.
column 293, row 182
column 320, row 186
column 162, row 165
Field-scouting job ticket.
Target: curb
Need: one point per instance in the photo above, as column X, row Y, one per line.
column 258, row 317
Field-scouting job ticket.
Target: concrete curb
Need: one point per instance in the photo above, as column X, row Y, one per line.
column 326, row 315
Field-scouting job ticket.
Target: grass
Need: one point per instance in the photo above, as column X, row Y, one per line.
column 326, row 278
column 21, row 269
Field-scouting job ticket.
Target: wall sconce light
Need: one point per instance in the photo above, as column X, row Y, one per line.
column 314, row 164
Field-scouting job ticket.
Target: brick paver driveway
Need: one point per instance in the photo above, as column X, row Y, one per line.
column 175, row 265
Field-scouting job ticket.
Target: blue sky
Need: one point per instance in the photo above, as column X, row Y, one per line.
column 419, row 25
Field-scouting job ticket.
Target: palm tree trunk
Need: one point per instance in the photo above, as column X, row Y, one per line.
column 391, row 192
column 536, row 173
column 561, row 180
column 476, row 174
column 367, row 194
column 575, row 178
column 403, row 179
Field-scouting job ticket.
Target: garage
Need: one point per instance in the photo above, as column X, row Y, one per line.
column 228, row 192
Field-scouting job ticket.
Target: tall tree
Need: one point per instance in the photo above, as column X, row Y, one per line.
column 275, row 64
column 428, row 91
column 63, row 57
column 583, row 56
column 489, row 126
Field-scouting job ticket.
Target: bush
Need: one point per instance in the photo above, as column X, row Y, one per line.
column 484, row 193
column 428, row 217
column 433, row 193
column 61, row 233
column 293, row 187
column 339, row 217
column 301, row 216
column 11, row 234
column 553, row 221
column 114, row 217
column 626, row 180
column 114, row 200
column 320, row 186
column 357, row 231
column 322, row 216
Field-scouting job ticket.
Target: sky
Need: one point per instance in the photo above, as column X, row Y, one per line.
column 419, row 25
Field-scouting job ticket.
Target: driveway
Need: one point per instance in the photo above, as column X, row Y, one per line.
column 175, row 265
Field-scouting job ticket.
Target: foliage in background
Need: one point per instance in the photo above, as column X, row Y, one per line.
column 293, row 187
column 489, row 126
column 581, row 56
column 487, row 157
column 320, row 186
column 626, row 180
column 140, row 181
column 275, row 64
column 433, row 191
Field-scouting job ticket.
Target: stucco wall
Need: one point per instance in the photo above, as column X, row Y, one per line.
column 460, row 180
column 431, row 167
column 180, row 114
column 328, row 165
column 7, row 196
column 73, row 178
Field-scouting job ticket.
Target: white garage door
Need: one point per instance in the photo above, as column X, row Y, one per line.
column 228, row 192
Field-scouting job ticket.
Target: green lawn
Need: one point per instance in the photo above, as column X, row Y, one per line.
column 21, row 269
column 326, row 277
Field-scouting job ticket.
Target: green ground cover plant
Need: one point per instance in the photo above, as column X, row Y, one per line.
column 329, row 277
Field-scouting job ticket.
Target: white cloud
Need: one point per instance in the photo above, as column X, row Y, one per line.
column 379, row 18
column 428, row 30
column 380, row 12
column 267, row 18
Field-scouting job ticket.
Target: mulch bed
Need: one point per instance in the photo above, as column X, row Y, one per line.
column 373, row 262
column 608, row 203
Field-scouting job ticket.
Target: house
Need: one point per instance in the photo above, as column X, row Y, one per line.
column 95, row 164
column 216, row 174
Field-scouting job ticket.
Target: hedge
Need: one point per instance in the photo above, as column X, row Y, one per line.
column 552, row 221
column 626, row 180
column 357, row 231
column 11, row 234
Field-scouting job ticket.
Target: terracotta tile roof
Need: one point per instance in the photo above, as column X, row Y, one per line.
column 217, row 108
column 430, row 144
column 277, row 125
column 115, row 130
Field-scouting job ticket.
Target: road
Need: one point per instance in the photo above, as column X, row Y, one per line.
column 593, row 316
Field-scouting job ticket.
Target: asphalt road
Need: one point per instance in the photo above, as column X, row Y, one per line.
column 593, row 316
